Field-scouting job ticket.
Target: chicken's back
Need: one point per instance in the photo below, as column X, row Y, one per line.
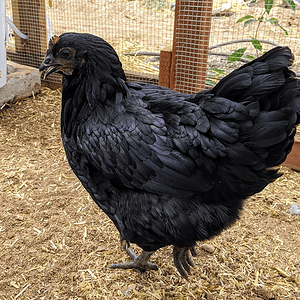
column 247, row 131
column 173, row 169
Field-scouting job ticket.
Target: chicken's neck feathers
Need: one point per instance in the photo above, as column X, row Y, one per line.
column 88, row 93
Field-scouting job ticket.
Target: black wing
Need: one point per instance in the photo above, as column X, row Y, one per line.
column 165, row 142
column 158, row 140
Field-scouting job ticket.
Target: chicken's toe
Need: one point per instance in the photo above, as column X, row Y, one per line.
column 183, row 260
column 140, row 262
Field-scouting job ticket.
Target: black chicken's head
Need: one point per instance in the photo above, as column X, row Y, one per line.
column 81, row 54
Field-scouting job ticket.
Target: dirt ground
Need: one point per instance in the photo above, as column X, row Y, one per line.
column 57, row 244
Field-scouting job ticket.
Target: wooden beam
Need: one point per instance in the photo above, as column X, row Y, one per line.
column 165, row 61
column 30, row 18
column 55, row 80
column 293, row 159
column 190, row 45
column 136, row 76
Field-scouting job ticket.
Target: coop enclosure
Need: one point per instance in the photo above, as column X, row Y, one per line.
column 182, row 44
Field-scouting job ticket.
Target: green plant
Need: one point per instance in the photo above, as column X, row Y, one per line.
column 158, row 4
column 249, row 19
column 213, row 79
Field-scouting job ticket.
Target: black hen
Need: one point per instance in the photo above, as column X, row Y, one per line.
column 171, row 168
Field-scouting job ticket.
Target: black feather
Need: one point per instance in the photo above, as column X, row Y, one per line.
column 172, row 168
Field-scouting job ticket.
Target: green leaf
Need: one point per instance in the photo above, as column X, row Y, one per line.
column 268, row 5
column 210, row 82
column 274, row 21
column 218, row 71
column 244, row 18
column 291, row 4
column 256, row 44
column 249, row 57
column 248, row 22
column 236, row 55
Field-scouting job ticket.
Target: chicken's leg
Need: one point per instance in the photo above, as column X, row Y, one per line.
column 140, row 262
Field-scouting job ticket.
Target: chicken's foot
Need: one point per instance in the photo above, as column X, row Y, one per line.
column 183, row 260
column 140, row 262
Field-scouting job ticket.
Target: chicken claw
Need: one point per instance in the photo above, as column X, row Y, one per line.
column 140, row 262
column 183, row 260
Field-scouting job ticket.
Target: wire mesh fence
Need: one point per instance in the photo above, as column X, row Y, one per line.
column 129, row 26
column 238, row 24
column 191, row 41
column 28, row 52
column 201, row 33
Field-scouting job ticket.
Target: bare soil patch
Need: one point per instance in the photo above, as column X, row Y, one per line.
column 57, row 244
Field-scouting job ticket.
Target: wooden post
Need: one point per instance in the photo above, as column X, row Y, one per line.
column 293, row 159
column 190, row 45
column 30, row 18
column 165, row 61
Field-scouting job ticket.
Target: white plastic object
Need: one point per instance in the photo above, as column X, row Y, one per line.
column 2, row 44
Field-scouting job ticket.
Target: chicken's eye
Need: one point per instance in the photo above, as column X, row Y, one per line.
column 65, row 53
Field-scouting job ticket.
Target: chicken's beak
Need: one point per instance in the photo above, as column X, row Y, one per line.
column 49, row 66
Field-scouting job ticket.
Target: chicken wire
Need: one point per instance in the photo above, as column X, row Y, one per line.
column 191, row 39
column 129, row 26
column 30, row 23
column 227, row 35
column 135, row 27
